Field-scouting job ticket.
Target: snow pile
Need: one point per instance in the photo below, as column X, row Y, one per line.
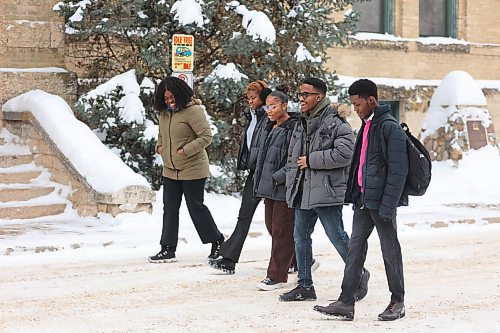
column 473, row 181
column 457, row 88
column 188, row 12
column 255, row 22
column 102, row 169
column 78, row 15
column 228, row 72
column 303, row 54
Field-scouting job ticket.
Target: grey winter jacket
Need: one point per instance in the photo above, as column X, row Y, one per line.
column 328, row 141
column 385, row 168
column 270, row 174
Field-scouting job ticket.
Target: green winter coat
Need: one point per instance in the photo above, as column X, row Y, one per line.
column 187, row 129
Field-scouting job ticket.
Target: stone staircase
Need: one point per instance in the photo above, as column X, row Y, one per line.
column 26, row 190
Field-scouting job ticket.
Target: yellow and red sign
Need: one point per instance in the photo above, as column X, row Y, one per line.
column 182, row 53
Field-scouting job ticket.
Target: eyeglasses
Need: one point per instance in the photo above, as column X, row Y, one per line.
column 271, row 107
column 306, row 94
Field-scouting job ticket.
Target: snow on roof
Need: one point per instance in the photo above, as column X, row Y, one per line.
column 458, row 88
column 434, row 40
column 257, row 24
column 103, row 170
column 188, row 12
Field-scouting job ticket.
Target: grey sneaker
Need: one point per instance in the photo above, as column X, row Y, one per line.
column 337, row 309
column 394, row 310
column 299, row 293
column 163, row 256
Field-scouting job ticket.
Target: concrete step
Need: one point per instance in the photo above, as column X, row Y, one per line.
column 23, row 194
column 30, row 212
column 13, row 160
column 18, row 177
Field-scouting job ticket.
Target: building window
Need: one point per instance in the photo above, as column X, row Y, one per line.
column 375, row 16
column 438, row 18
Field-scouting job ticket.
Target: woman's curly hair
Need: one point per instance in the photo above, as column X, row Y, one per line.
column 183, row 94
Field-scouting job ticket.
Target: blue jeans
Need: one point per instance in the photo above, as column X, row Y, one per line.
column 305, row 220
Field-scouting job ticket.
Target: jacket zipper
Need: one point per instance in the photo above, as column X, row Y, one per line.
column 170, row 139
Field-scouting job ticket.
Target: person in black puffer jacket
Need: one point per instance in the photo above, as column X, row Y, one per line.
column 269, row 183
column 375, row 187
column 230, row 250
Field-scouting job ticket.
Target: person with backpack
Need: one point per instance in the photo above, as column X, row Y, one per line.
column 377, row 177
column 320, row 150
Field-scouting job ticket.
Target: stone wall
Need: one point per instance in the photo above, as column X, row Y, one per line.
column 451, row 141
column 32, row 50
column 86, row 201
column 31, row 35
column 14, row 83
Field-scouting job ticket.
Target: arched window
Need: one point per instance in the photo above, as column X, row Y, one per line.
column 375, row 16
column 438, row 18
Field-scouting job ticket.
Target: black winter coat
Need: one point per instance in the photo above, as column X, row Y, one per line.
column 385, row 168
column 247, row 158
column 270, row 174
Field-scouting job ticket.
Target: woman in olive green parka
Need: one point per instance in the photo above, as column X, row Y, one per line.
column 183, row 135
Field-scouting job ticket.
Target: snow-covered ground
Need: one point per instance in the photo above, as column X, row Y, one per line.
column 74, row 274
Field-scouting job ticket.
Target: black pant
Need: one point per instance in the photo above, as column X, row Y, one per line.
column 362, row 226
column 193, row 191
column 231, row 249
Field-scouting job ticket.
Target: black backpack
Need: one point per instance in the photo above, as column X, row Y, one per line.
column 419, row 164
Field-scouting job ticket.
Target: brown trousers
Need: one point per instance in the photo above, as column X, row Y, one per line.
column 280, row 222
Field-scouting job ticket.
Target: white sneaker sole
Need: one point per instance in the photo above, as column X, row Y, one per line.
column 265, row 287
column 162, row 261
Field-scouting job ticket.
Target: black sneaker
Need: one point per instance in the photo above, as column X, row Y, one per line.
column 214, row 252
column 363, row 285
column 163, row 256
column 267, row 284
column 222, row 264
column 337, row 309
column 299, row 293
column 394, row 310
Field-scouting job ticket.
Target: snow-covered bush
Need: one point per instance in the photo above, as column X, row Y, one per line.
column 281, row 42
column 116, row 112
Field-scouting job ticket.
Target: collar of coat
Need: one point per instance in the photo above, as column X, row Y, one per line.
column 317, row 110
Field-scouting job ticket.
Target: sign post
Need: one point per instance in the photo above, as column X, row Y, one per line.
column 183, row 57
